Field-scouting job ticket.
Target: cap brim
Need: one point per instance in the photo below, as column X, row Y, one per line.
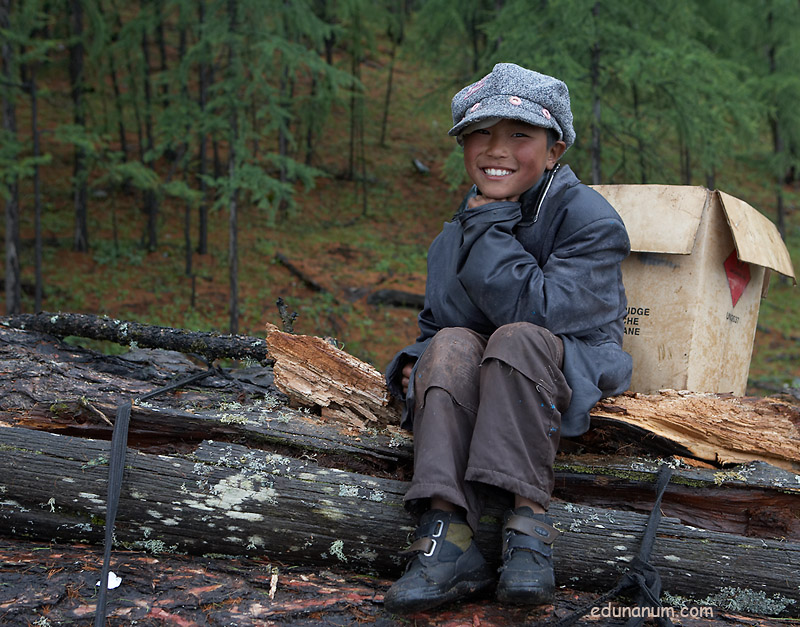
column 501, row 107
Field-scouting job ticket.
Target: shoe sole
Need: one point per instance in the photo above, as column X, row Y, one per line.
column 525, row 596
column 414, row 605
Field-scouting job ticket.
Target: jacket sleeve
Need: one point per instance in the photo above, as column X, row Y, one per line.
column 574, row 291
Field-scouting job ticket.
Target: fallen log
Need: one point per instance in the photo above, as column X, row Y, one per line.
column 226, row 498
column 226, row 467
column 128, row 333
column 396, row 298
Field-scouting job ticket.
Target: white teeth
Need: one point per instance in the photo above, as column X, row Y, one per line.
column 497, row 172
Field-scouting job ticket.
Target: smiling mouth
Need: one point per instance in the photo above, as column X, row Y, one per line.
column 497, row 171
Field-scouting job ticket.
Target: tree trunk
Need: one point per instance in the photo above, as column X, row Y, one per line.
column 388, row 97
column 81, row 234
column 13, row 281
column 37, row 192
column 150, row 198
column 594, row 71
column 233, row 226
column 777, row 143
column 202, row 222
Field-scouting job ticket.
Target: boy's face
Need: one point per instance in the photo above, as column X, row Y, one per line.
column 508, row 158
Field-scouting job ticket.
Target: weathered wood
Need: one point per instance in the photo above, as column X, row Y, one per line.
column 231, row 499
column 128, row 333
column 719, row 428
column 313, row 372
column 226, row 467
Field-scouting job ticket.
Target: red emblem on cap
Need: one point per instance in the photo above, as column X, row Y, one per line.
column 545, row 113
column 474, row 87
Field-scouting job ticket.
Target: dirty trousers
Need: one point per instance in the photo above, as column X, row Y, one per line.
column 487, row 413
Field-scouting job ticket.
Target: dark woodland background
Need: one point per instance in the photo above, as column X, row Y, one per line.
column 187, row 163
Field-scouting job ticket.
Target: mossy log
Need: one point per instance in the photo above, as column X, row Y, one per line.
column 128, row 333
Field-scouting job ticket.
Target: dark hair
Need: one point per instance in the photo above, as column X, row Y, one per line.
column 552, row 137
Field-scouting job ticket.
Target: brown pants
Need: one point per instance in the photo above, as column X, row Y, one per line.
column 487, row 413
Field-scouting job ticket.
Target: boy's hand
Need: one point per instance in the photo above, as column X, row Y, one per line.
column 407, row 376
column 479, row 200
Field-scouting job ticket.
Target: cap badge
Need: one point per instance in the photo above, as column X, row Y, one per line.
column 515, row 100
column 474, row 87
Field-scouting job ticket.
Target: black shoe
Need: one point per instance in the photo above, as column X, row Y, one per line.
column 440, row 571
column 526, row 576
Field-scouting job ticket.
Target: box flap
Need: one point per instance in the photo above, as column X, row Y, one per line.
column 756, row 238
column 659, row 218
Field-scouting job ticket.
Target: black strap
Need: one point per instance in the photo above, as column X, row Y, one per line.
column 641, row 576
column 116, row 469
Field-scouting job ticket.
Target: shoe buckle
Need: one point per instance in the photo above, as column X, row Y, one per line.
column 437, row 532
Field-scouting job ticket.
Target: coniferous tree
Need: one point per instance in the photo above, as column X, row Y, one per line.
column 395, row 31
column 9, row 151
column 77, row 89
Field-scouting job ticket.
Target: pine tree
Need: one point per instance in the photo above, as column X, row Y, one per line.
column 9, row 151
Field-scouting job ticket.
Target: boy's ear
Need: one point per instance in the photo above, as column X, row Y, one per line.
column 555, row 153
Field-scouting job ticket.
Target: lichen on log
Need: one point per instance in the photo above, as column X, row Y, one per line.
column 129, row 333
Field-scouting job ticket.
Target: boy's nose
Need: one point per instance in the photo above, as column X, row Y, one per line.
column 497, row 146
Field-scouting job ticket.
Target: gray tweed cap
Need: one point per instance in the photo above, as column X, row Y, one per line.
column 511, row 91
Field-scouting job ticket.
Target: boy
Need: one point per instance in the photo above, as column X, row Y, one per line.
column 521, row 334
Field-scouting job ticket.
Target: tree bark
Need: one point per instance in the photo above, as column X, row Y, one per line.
column 150, row 199
column 13, row 280
column 202, row 95
column 81, row 233
column 594, row 71
column 127, row 333
column 233, row 202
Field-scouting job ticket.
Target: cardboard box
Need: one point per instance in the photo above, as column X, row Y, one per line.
column 699, row 266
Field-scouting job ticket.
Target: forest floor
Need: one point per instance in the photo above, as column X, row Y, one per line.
column 46, row 584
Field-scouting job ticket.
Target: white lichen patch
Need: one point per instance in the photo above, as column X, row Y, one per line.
column 331, row 513
column 93, row 498
column 672, row 558
column 238, row 419
column 337, row 550
column 251, row 516
column 198, row 505
column 154, row 514
column 67, row 479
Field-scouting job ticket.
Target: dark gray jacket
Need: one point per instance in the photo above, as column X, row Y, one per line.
column 552, row 259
